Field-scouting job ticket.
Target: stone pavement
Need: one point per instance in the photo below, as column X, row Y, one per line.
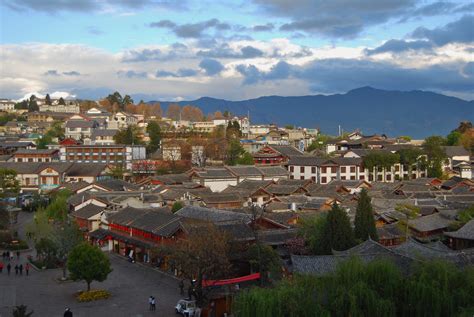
column 130, row 286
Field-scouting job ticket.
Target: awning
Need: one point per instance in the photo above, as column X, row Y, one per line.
column 251, row 277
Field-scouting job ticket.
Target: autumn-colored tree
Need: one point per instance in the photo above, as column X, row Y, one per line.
column 218, row 115
column 191, row 113
column 202, row 256
column 173, row 112
column 155, row 110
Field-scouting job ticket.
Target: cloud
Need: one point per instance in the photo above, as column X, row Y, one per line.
column 336, row 18
column 211, row 66
column 398, row 46
column 94, row 30
column 225, row 51
column 192, row 30
column 263, row 28
column 52, row 72
column 72, row 73
column 131, row 74
column 54, row 6
column 182, row 72
column 145, row 55
column 460, row 31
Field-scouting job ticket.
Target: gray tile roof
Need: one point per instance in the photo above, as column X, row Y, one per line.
column 286, row 150
column 273, row 171
column 455, row 151
column 88, row 211
column 244, row 170
column 117, row 185
column 429, row 223
column 81, row 124
column 211, row 214
column 86, row 169
column 466, row 232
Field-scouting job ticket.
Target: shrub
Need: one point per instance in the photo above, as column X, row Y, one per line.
column 92, row 295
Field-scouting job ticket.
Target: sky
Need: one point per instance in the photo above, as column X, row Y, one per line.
column 183, row 50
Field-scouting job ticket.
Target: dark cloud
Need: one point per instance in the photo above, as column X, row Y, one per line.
column 225, row 51
column 438, row 8
column 146, row 55
column 398, row 46
column 336, row 18
column 182, row 72
column 192, row 30
column 53, row 6
column 263, row 28
column 52, row 72
column 461, row 31
column 72, row 73
column 333, row 75
column 211, row 66
column 131, row 74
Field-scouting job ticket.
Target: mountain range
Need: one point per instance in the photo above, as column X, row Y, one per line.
column 395, row 113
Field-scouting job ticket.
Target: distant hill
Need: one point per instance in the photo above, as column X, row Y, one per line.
column 415, row 113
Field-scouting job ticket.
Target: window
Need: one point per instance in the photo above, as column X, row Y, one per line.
column 292, row 168
column 389, row 177
column 397, row 168
column 302, row 177
column 353, row 169
column 343, row 178
column 353, row 178
column 380, row 177
column 361, row 177
column 313, row 169
column 313, row 178
column 324, row 169
column 334, row 169
column 292, row 177
column 302, row 169
column 19, row 159
column 30, row 159
column 324, row 180
column 343, row 169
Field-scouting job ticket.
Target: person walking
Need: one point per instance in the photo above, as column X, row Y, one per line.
column 1, row 267
column 21, row 269
column 181, row 287
column 9, row 267
column 16, row 269
column 153, row 303
column 27, row 268
column 67, row 312
column 150, row 306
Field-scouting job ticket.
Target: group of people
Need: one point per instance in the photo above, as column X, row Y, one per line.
column 7, row 256
column 152, row 303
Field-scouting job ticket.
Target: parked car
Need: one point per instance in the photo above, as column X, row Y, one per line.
column 186, row 307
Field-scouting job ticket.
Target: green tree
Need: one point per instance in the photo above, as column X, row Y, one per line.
column 453, row 138
column 66, row 237
column 319, row 142
column 9, row 184
column 58, row 208
column 433, row 148
column 154, row 132
column 409, row 157
column 313, row 230
column 47, row 100
column 234, row 151
column 364, row 218
column 130, row 135
column 61, row 101
column 338, row 232
column 264, row 259
column 245, row 159
column 88, row 263
column 32, row 104
column 176, row 206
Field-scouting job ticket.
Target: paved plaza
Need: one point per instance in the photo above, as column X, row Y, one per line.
column 130, row 285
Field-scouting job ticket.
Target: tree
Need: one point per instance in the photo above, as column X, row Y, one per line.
column 191, row 113
column 453, row 138
column 173, row 112
column 313, row 230
column 128, row 136
column 88, row 263
column 9, row 184
column 409, row 157
column 464, row 126
column 245, row 159
column 202, row 256
column 154, row 133
column 234, row 151
column 66, row 237
column 264, row 259
column 364, row 218
column 338, row 232
column 433, row 148
column 32, row 104
column 61, row 101
column 116, row 171
column 176, row 206
column 319, row 142
column 47, row 100
column 58, row 208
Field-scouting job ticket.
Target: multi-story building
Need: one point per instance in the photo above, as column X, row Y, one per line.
column 69, row 107
column 123, row 155
column 7, row 105
column 27, row 155
column 322, row 170
column 79, row 127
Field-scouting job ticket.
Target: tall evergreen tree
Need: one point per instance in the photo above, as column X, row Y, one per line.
column 364, row 218
column 338, row 233
column 48, row 100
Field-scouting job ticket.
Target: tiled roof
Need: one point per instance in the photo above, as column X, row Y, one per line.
column 81, row 124
column 270, row 171
column 286, row 150
column 211, row 214
column 117, row 185
column 455, row 151
column 429, row 223
column 86, row 169
column 244, row 170
column 465, row 232
column 87, row 211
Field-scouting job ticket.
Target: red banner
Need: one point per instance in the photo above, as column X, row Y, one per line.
column 245, row 278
